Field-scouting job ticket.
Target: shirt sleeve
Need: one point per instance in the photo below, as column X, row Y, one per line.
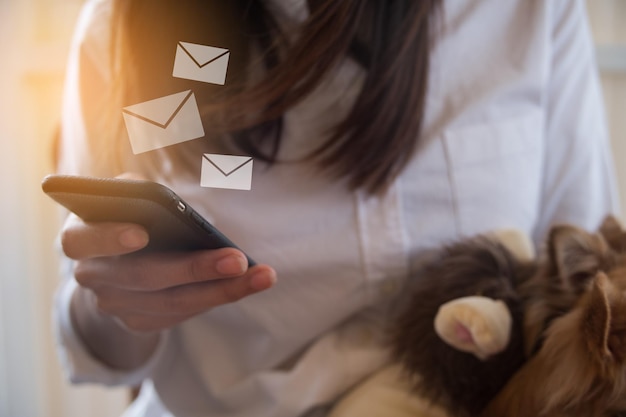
column 76, row 360
column 87, row 83
column 579, row 181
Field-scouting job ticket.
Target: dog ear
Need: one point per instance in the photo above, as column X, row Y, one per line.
column 604, row 321
column 613, row 232
column 576, row 255
column 596, row 320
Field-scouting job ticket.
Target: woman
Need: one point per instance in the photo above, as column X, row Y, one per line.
column 377, row 129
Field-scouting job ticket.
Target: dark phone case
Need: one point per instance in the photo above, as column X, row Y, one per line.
column 172, row 224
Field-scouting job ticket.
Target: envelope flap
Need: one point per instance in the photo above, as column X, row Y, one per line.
column 227, row 163
column 159, row 110
column 202, row 54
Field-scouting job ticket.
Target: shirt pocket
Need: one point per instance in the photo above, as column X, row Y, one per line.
column 495, row 171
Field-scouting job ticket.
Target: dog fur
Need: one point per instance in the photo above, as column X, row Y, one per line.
column 567, row 350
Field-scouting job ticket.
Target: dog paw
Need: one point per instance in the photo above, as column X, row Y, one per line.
column 478, row 325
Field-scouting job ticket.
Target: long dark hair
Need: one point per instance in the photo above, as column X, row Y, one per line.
column 390, row 39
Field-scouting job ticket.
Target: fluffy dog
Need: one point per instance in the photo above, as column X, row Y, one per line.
column 484, row 331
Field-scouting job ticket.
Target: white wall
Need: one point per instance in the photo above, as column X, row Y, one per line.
column 33, row 45
column 34, row 36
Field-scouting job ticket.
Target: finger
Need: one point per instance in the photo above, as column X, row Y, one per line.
column 81, row 240
column 158, row 271
column 186, row 300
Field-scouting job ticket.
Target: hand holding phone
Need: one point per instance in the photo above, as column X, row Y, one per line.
column 153, row 289
column 172, row 224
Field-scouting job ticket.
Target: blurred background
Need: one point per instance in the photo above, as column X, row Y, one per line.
column 35, row 36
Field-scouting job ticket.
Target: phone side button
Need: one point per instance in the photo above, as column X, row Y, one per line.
column 201, row 222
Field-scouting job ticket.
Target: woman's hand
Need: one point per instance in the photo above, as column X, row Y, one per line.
column 136, row 296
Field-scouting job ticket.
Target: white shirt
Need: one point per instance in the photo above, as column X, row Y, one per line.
column 514, row 137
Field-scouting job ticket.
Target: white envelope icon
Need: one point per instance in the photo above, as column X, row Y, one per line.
column 163, row 122
column 226, row 171
column 201, row 63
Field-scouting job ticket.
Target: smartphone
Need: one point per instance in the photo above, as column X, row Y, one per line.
column 172, row 224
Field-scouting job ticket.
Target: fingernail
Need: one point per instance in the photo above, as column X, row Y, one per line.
column 133, row 238
column 231, row 265
column 262, row 280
